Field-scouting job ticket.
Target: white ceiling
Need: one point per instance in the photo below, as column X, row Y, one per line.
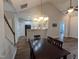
column 61, row 5
column 31, row 3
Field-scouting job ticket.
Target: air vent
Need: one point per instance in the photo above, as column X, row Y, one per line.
column 24, row 6
column 7, row 0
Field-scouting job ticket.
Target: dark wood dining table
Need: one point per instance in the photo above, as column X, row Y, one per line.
column 41, row 49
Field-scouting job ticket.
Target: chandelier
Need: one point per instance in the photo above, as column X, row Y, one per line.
column 42, row 17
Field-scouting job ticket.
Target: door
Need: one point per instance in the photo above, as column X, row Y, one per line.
column 27, row 27
column 61, row 31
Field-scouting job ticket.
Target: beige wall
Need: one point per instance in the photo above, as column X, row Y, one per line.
column 10, row 49
column 8, row 32
column 7, row 51
column 71, row 25
column 2, row 37
column 10, row 18
column 17, row 28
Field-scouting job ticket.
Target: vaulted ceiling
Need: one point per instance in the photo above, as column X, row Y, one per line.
column 61, row 5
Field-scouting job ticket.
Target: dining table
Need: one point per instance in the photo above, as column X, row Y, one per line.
column 41, row 49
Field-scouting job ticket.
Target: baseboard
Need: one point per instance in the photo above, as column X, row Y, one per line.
column 70, row 38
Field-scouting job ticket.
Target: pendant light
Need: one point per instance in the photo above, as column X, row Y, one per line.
column 71, row 9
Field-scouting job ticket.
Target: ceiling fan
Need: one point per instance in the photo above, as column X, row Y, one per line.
column 71, row 8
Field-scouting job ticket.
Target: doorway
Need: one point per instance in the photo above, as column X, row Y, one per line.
column 61, row 30
column 27, row 27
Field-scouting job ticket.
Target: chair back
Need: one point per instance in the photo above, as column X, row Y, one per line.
column 58, row 43
column 37, row 37
column 49, row 40
column 55, row 42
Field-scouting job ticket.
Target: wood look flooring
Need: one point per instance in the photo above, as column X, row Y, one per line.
column 23, row 50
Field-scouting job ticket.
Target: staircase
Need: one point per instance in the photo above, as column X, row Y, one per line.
column 10, row 44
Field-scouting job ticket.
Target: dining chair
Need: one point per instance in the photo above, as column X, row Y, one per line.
column 55, row 41
column 37, row 37
column 49, row 40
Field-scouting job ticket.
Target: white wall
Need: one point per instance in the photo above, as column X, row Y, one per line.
column 5, row 47
column 10, row 49
column 10, row 18
column 8, row 32
column 8, row 6
column 50, row 11
column 7, row 51
column 71, row 25
column 2, row 37
column 17, row 28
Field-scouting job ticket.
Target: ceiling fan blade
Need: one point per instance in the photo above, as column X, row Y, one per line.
column 76, row 9
column 76, row 6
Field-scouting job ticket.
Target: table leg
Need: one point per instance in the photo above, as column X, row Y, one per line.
column 65, row 57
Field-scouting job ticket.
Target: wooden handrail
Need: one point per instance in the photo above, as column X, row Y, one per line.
column 10, row 27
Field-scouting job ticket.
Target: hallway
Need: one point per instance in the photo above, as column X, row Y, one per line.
column 23, row 50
